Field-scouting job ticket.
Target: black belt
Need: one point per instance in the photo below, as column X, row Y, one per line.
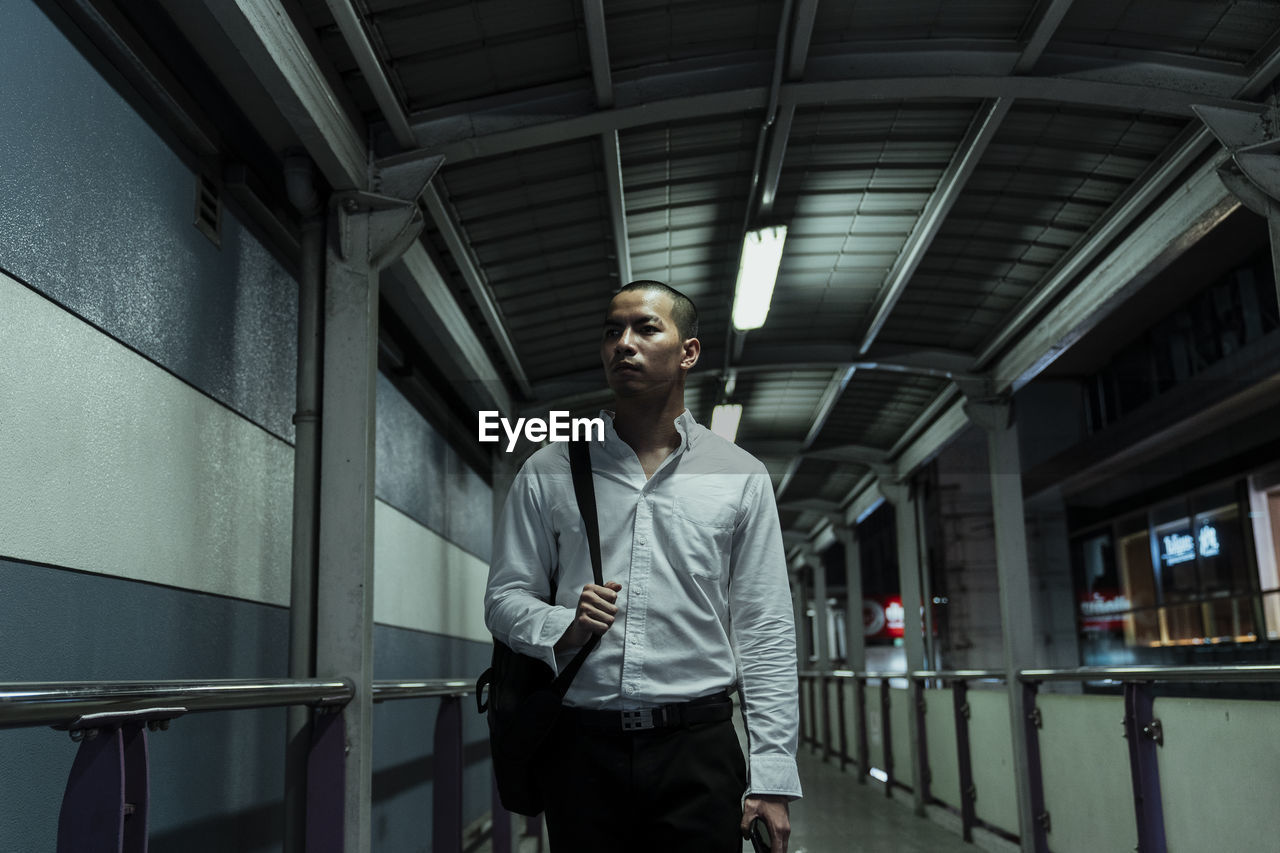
column 708, row 709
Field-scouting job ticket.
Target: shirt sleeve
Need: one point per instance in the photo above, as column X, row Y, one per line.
column 764, row 641
column 516, row 608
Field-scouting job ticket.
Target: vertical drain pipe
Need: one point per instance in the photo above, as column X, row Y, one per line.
column 301, row 187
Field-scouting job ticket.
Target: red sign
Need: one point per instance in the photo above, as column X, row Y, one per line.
column 1103, row 610
column 882, row 617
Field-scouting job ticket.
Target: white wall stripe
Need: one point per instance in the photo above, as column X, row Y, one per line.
column 425, row 582
column 109, row 464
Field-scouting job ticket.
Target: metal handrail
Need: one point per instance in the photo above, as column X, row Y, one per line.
column 384, row 691
column 1240, row 672
column 64, row 703
column 1232, row 673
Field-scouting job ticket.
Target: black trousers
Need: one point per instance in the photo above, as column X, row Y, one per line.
column 673, row 790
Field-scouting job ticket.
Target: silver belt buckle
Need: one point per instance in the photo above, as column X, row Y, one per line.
column 634, row 721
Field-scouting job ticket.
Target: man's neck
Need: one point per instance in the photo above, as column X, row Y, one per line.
column 648, row 426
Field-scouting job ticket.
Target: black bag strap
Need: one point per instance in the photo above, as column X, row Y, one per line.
column 584, row 490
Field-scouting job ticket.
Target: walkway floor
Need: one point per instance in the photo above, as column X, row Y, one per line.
column 837, row 815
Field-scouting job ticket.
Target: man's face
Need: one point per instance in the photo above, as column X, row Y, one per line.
column 641, row 348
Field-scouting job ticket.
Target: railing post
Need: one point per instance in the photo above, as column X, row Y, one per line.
column 446, row 827
column 823, row 680
column 1035, row 780
column 502, row 840
column 326, row 782
column 886, row 734
column 921, row 767
column 964, row 759
column 843, row 726
column 864, row 748
column 105, row 805
column 1144, row 735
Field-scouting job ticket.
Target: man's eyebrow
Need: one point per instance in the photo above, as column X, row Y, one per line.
column 648, row 318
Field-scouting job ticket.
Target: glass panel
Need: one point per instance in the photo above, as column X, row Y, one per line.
column 1175, row 542
column 1141, row 627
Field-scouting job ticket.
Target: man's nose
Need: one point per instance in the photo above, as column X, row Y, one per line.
column 624, row 342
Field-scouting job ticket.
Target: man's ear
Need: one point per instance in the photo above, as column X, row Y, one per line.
column 692, row 349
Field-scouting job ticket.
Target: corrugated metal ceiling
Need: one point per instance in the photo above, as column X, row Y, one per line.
column 873, row 125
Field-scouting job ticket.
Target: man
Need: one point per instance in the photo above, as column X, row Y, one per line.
column 695, row 602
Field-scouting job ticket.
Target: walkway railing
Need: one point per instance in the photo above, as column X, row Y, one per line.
column 884, row 723
column 106, row 800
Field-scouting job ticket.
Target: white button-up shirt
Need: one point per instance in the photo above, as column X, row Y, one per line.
column 705, row 603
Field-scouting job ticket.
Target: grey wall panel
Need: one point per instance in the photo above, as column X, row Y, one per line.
column 411, row 460
column 217, row 782
column 420, row 475
column 118, row 467
column 96, row 212
column 470, row 511
column 217, row 778
column 403, row 774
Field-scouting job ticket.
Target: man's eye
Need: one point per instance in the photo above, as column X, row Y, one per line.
column 649, row 330
column 610, row 333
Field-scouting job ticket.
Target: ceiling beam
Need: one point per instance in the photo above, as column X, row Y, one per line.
column 353, row 32
column 477, row 282
column 1037, row 38
column 598, row 48
column 969, row 153
column 553, row 115
column 602, row 81
column 564, row 390
column 780, row 134
column 264, row 35
column 1200, row 203
column 826, row 405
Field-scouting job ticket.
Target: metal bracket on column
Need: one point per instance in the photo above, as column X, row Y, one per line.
column 395, row 219
column 985, row 407
column 106, row 802
column 1253, row 140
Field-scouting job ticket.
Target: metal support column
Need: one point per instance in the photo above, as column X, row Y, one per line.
column 446, row 788
column 1017, row 605
column 855, row 636
column 366, row 231
column 855, row 633
column 821, row 647
column 906, row 516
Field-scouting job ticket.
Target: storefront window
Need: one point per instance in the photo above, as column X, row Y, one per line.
column 1179, row 574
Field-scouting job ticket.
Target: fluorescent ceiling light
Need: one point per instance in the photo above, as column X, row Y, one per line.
column 724, row 420
column 757, row 273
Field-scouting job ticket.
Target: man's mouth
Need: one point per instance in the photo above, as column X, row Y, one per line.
column 626, row 367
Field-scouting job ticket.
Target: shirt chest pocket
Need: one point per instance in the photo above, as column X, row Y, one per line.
column 701, row 534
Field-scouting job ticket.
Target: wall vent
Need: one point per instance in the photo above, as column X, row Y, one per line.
column 209, row 209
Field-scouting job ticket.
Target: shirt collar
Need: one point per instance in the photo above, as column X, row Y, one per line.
column 685, row 425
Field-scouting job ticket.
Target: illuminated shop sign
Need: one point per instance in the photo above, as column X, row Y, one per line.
column 1181, row 547
column 882, row 617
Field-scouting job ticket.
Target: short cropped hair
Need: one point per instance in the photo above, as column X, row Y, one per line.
column 683, row 311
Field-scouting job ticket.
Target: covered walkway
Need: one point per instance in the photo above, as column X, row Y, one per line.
column 838, row 815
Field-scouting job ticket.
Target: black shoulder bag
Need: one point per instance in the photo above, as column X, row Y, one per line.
column 524, row 698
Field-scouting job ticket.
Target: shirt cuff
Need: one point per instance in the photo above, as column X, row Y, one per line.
column 553, row 628
column 776, row 775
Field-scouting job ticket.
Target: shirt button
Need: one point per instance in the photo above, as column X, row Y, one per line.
column 631, row 689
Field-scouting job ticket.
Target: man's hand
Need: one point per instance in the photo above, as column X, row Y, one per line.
column 775, row 813
column 597, row 608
